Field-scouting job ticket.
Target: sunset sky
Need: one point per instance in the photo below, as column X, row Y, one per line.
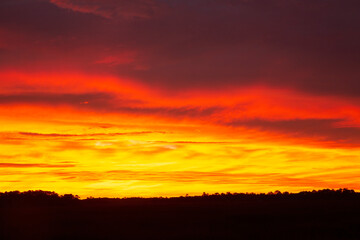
column 119, row 98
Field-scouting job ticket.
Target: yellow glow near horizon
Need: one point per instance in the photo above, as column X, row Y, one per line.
column 161, row 159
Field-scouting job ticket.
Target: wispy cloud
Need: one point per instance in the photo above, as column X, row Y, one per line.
column 35, row 165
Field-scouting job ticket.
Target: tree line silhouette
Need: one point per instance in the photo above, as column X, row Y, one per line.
column 48, row 197
column 35, row 197
column 318, row 214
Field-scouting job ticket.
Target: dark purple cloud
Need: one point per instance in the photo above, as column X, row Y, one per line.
column 307, row 45
column 112, row 8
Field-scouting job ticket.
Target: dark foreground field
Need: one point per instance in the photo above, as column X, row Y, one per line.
column 326, row 214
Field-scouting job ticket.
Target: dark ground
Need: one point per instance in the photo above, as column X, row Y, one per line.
column 326, row 214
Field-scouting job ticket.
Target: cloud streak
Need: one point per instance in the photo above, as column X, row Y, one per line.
column 96, row 99
column 111, row 8
column 35, row 165
column 322, row 129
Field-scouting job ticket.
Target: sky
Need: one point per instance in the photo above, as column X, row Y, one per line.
column 117, row 98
